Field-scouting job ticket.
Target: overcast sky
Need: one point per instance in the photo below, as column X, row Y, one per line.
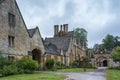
column 98, row 17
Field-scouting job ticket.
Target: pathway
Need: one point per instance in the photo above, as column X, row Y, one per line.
column 96, row 75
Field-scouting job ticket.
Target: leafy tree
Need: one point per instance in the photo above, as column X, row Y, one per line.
column 109, row 42
column 98, row 46
column 116, row 55
column 116, row 40
column 81, row 35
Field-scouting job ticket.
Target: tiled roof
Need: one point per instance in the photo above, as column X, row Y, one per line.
column 31, row 32
column 70, row 34
column 62, row 43
column 1, row 1
column 51, row 49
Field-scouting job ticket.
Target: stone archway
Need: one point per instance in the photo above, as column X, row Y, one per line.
column 101, row 62
column 105, row 64
column 36, row 55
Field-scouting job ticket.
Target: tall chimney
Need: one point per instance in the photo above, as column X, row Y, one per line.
column 57, row 29
column 66, row 28
column 54, row 30
column 60, row 27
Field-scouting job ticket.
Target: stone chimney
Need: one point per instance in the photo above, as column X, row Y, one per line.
column 66, row 28
column 61, row 28
column 56, row 29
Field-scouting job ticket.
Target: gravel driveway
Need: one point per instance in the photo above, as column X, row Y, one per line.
column 96, row 75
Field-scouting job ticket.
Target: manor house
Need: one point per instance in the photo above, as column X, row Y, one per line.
column 16, row 41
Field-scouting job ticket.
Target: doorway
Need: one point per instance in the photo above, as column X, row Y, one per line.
column 105, row 63
column 36, row 55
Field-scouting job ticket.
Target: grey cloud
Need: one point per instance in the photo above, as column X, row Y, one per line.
column 98, row 17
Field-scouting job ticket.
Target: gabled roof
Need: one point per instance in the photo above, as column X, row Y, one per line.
column 31, row 32
column 62, row 43
column 70, row 34
column 51, row 49
column 1, row 1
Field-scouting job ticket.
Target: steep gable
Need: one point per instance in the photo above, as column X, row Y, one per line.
column 13, row 25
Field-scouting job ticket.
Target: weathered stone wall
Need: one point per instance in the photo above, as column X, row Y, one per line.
column 21, row 46
column 36, row 43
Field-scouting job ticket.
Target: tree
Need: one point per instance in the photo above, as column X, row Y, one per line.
column 116, row 40
column 81, row 35
column 109, row 42
column 85, row 60
column 116, row 55
column 98, row 46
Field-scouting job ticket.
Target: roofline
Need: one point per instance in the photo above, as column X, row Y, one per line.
column 21, row 16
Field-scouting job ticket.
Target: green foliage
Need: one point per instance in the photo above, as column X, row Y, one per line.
column 4, row 61
column 59, row 65
column 108, row 42
column 81, row 35
column 116, row 54
column 9, row 70
column 75, row 64
column 35, row 76
column 27, row 65
column 50, row 63
column 111, row 42
column 24, row 65
column 98, row 46
column 113, row 74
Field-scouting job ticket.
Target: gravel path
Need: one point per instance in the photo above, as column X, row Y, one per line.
column 97, row 75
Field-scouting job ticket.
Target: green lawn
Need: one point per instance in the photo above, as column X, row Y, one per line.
column 113, row 74
column 74, row 70
column 36, row 76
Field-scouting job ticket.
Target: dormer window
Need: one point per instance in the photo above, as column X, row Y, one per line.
column 11, row 20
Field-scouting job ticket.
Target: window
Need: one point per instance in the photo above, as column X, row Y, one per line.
column 11, row 58
column 11, row 40
column 11, row 20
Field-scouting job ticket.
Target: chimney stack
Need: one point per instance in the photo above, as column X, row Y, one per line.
column 66, row 28
column 56, row 29
column 61, row 27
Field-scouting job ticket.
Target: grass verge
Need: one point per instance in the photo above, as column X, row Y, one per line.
column 75, row 70
column 36, row 76
column 113, row 74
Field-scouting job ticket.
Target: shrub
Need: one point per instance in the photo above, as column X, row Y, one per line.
column 27, row 65
column 75, row 64
column 50, row 64
column 4, row 61
column 89, row 65
column 9, row 70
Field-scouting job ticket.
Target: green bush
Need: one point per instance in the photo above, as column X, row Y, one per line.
column 89, row 65
column 75, row 64
column 9, row 70
column 4, row 61
column 27, row 65
column 50, row 64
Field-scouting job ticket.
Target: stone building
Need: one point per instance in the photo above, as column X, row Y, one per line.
column 103, row 58
column 63, row 45
column 15, row 40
